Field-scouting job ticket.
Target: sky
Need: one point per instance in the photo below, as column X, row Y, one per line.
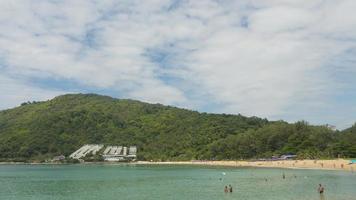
column 275, row 59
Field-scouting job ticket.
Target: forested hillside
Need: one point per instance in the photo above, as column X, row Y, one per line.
column 40, row 130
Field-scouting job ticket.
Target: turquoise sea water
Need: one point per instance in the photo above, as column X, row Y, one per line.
column 62, row 182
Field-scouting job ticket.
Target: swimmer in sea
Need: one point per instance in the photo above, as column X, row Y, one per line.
column 230, row 188
column 321, row 192
column 321, row 189
column 226, row 190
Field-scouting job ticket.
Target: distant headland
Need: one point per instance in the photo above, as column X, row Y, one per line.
column 39, row 131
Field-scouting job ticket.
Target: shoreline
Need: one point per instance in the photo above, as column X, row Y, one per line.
column 335, row 164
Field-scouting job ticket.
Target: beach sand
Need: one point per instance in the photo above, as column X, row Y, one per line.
column 337, row 164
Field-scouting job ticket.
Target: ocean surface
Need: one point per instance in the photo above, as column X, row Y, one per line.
column 139, row 182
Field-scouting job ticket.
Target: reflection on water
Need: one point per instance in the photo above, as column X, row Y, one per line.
column 322, row 197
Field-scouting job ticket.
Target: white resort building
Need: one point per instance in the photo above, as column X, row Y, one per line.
column 119, row 153
column 86, row 149
column 111, row 153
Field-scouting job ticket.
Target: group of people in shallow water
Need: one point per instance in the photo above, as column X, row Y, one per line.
column 320, row 188
column 228, row 189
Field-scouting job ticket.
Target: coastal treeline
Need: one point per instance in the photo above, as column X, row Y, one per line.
column 41, row 130
column 279, row 138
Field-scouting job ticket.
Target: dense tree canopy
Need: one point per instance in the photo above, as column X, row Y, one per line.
column 39, row 130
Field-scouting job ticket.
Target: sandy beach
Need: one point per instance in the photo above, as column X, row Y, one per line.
column 337, row 164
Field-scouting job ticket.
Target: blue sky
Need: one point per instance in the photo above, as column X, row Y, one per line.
column 279, row 59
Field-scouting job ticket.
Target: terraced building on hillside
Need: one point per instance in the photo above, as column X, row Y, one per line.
column 111, row 153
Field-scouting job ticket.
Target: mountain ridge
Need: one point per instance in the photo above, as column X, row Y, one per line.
column 39, row 130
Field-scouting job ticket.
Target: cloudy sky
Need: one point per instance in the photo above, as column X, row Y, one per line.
column 279, row 59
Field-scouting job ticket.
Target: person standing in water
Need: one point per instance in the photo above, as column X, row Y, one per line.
column 230, row 188
column 226, row 190
column 320, row 189
column 284, row 176
column 321, row 192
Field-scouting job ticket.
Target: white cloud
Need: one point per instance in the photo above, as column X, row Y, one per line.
column 14, row 92
column 254, row 57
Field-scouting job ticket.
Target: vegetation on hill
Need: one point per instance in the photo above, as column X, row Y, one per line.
column 40, row 130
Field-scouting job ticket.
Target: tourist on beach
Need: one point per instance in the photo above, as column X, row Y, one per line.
column 226, row 190
column 321, row 189
column 230, row 188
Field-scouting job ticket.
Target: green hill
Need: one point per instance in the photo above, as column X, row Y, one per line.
column 40, row 130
